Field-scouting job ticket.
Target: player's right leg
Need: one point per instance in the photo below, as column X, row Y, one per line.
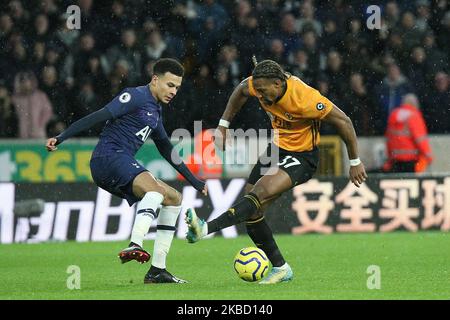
column 262, row 236
column 151, row 193
column 165, row 231
column 267, row 187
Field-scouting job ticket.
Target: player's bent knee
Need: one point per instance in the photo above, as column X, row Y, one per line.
column 173, row 198
column 255, row 217
column 248, row 188
column 177, row 199
column 261, row 192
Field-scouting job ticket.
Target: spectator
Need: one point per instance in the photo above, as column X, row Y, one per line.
column 221, row 90
column 437, row 104
column 87, row 102
column 65, row 36
column 122, row 72
column 212, row 13
column 393, row 87
column 315, row 56
column 98, row 78
column 417, row 71
column 33, row 107
column 276, row 52
column 228, row 60
column 41, row 29
column 331, row 38
column 300, row 67
column 289, row 34
column 249, row 40
column 38, row 57
column 54, row 91
column 361, row 107
column 89, row 19
column 410, row 33
column 19, row 14
column 356, row 35
column 336, row 74
column 414, row 36
column 395, row 45
column 209, row 41
column 155, row 46
column 19, row 59
column 423, row 15
column 126, row 51
column 444, row 32
column 307, row 21
column 8, row 118
column 114, row 22
column 203, row 80
column 408, row 146
column 392, row 14
column 437, row 59
column 241, row 11
column 6, row 27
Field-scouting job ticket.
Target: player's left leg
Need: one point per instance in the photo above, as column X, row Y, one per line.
column 166, row 227
column 151, row 194
column 267, row 187
column 262, row 235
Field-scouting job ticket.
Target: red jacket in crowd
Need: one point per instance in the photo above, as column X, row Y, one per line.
column 407, row 138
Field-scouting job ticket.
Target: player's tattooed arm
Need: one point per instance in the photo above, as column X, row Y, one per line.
column 237, row 99
column 346, row 131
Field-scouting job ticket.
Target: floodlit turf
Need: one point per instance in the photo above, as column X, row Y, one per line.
column 412, row 265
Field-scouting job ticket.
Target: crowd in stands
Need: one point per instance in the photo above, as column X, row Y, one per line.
column 51, row 75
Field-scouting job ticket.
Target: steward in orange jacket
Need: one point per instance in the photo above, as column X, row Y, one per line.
column 408, row 146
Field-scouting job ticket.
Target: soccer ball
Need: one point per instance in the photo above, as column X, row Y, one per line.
column 251, row 264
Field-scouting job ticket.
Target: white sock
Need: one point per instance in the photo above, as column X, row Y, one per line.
column 145, row 213
column 205, row 230
column 165, row 231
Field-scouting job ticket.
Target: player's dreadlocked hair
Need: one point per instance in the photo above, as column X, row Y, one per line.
column 268, row 69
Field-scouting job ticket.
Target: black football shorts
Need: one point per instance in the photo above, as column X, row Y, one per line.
column 300, row 166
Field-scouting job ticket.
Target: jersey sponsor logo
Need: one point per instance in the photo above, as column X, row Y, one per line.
column 320, row 106
column 135, row 165
column 125, row 97
column 144, row 133
column 288, row 115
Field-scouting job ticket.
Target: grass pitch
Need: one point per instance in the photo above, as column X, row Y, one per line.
column 412, row 266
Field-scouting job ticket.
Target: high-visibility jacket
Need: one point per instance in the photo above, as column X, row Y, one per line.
column 407, row 137
column 204, row 162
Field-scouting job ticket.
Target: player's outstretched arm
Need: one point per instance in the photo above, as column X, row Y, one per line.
column 345, row 129
column 79, row 126
column 235, row 102
column 128, row 100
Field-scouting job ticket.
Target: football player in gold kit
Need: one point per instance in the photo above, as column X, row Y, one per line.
column 296, row 111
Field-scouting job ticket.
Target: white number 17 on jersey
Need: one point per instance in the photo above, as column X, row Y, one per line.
column 292, row 162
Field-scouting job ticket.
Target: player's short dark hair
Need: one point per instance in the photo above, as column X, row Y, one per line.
column 269, row 69
column 168, row 65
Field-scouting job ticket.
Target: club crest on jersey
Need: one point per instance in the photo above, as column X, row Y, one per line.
column 320, row 106
column 288, row 115
column 144, row 133
column 125, row 97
